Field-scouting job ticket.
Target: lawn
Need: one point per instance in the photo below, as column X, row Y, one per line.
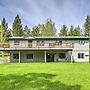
column 45, row 76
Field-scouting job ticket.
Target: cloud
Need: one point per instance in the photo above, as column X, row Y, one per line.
column 33, row 12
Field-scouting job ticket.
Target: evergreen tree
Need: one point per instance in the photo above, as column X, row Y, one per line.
column 1, row 34
column 50, row 29
column 26, row 31
column 17, row 27
column 4, row 26
column 71, row 33
column 35, row 31
column 63, row 31
column 77, row 31
column 87, row 26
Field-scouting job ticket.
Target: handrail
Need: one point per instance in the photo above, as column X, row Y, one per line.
column 48, row 45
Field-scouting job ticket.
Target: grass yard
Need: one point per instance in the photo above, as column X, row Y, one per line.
column 45, row 76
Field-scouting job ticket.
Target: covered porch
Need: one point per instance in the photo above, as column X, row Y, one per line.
column 41, row 56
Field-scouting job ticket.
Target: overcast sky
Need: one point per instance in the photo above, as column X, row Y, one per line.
column 33, row 12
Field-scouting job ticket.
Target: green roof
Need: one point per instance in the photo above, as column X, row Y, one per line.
column 50, row 37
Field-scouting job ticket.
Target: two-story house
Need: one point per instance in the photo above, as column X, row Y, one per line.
column 47, row 49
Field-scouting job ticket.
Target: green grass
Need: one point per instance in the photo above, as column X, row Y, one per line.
column 45, row 76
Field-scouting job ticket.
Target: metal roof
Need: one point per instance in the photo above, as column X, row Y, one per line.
column 49, row 37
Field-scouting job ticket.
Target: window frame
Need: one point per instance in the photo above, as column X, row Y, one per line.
column 81, row 55
column 81, row 42
column 62, row 55
column 15, row 56
column 29, row 56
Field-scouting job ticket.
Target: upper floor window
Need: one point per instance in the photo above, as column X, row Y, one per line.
column 29, row 41
column 16, row 42
column 58, row 42
column 40, row 43
column 81, row 42
column 80, row 55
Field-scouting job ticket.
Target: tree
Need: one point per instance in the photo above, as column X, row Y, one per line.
column 63, row 31
column 1, row 34
column 49, row 28
column 87, row 26
column 26, row 31
column 4, row 27
column 17, row 27
column 77, row 31
column 35, row 31
column 70, row 33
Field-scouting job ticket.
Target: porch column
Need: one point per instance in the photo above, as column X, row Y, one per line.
column 2, row 56
column 45, row 57
column 71, row 57
column 9, row 56
column 19, row 56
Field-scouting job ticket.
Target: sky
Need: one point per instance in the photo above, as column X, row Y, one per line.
column 33, row 12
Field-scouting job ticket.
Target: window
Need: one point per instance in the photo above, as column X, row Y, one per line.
column 81, row 55
column 40, row 43
column 29, row 56
column 58, row 42
column 16, row 42
column 15, row 56
column 81, row 42
column 62, row 55
column 29, row 41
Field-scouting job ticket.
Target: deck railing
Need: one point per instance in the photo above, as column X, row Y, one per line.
column 4, row 45
column 45, row 45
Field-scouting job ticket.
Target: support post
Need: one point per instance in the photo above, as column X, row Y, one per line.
column 19, row 57
column 71, row 56
column 2, row 56
column 10, row 56
column 45, row 57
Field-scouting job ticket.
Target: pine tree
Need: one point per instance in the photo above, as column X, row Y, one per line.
column 50, row 29
column 87, row 26
column 4, row 27
column 1, row 34
column 17, row 27
column 63, row 31
column 26, row 31
column 77, row 31
column 71, row 33
column 35, row 31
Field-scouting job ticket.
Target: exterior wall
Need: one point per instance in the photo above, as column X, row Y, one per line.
column 24, row 44
column 40, row 55
column 81, row 49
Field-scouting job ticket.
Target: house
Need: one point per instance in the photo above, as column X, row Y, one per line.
column 47, row 49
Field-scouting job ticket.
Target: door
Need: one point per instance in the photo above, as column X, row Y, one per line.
column 50, row 57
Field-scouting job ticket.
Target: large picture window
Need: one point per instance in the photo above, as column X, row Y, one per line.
column 29, row 56
column 15, row 56
column 62, row 55
column 81, row 55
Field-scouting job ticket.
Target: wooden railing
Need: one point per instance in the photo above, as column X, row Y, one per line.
column 48, row 45
column 4, row 45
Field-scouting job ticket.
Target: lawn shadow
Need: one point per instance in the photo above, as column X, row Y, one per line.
column 33, row 81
